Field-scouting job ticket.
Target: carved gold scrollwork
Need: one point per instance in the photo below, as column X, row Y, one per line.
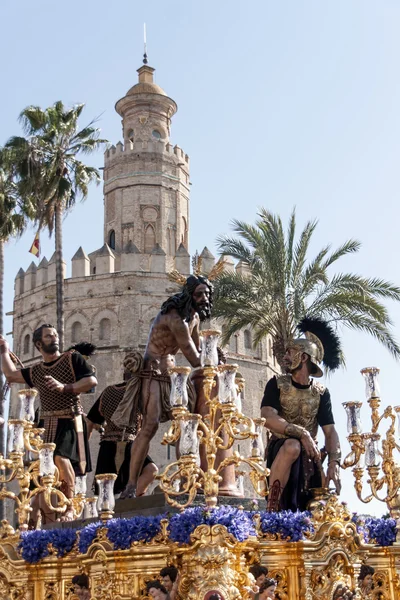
column 51, row 590
column 281, row 576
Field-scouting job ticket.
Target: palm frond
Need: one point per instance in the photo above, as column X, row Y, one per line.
column 300, row 252
column 349, row 247
column 284, row 285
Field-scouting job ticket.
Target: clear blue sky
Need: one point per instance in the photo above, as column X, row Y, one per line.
column 281, row 104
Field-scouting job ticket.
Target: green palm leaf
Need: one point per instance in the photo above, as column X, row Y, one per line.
column 284, row 284
column 49, row 174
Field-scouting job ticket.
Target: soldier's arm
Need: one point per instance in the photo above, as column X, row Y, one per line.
column 11, row 373
column 79, row 387
column 94, row 418
column 270, row 406
column 180, row 330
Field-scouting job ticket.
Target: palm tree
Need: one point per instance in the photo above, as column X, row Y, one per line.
column 14, row 214
column 281, row 285
column 49, row 172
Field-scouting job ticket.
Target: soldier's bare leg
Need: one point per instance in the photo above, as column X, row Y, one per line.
column 140, row 447
column 280, row 471
column 67, row 476
column 146, row 478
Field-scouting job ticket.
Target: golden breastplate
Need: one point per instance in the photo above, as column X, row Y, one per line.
column 300, row 406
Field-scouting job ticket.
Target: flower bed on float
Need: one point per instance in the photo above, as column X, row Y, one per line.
column 122, row 533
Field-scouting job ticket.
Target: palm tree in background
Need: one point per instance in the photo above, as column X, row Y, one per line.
column 14, row 216
column 50, row 175
column 281, row 285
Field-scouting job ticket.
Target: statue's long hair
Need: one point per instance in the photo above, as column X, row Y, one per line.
column 183, row 302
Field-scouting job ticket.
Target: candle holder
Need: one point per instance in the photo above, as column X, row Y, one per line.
column 27, row 404
column 106, row 499
column 374, row 452
column 217, row 430
column 227, row 384
column 239, row 382
column 90, row 508
column 209, row 347
column 79, row 499
column 179, row 394
column 42, row 472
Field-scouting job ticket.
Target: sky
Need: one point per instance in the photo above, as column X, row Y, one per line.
column 280, row 104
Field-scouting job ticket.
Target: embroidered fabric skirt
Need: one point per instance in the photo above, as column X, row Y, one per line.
column 66, row 442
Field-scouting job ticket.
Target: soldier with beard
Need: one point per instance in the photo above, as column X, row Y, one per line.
column 176, row 327
column 60, row 378
column 294, row 406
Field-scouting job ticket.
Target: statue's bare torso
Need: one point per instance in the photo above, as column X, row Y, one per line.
column 168, row 334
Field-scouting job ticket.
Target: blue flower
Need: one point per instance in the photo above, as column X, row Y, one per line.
column 34, row 545
column 63, row 540
column 381, row 531
column 87, row 536
column 123, row 532
column 291, row 526
column 238, row 522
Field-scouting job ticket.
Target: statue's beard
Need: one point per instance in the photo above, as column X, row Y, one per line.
column 203, row 310
column 50, row 348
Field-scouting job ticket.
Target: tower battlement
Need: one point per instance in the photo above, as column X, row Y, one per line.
column 139, row 147
column 103, row 262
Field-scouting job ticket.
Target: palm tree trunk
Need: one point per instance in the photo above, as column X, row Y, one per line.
column 59, row 275
column 2, row 427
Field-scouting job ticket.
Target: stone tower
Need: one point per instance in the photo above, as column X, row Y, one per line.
column 146, row 182
column 115, row 292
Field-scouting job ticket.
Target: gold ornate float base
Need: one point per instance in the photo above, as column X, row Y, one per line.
column 213, row 561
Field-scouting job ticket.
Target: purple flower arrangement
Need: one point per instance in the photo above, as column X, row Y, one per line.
column 380, row 531
column 34, row 545
column 87, row 536
column 238, row 522
column 122, row 533
column 288, row 525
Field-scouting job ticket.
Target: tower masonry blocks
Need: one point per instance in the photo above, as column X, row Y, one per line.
column 115, row 292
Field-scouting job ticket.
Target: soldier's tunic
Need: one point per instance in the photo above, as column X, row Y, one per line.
column 308, row 406
column 56, row 409
column 114, row 439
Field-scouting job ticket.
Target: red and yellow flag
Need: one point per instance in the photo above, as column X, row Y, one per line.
column 35, row 248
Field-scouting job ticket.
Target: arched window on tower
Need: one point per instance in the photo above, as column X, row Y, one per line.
column 184, row 238
column 76, row 332
column 105, row 329
column 27, row 344
column 111, row 239
column 131, row 136
column 149, row 239
column 248, row 343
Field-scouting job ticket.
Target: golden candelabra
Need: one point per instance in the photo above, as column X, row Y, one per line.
column 218, row 430
column 25, row 440
column 373, row 452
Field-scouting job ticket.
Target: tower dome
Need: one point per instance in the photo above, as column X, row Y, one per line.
column 146, row 100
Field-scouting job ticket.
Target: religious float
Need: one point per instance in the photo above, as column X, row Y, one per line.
column 213, row 540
